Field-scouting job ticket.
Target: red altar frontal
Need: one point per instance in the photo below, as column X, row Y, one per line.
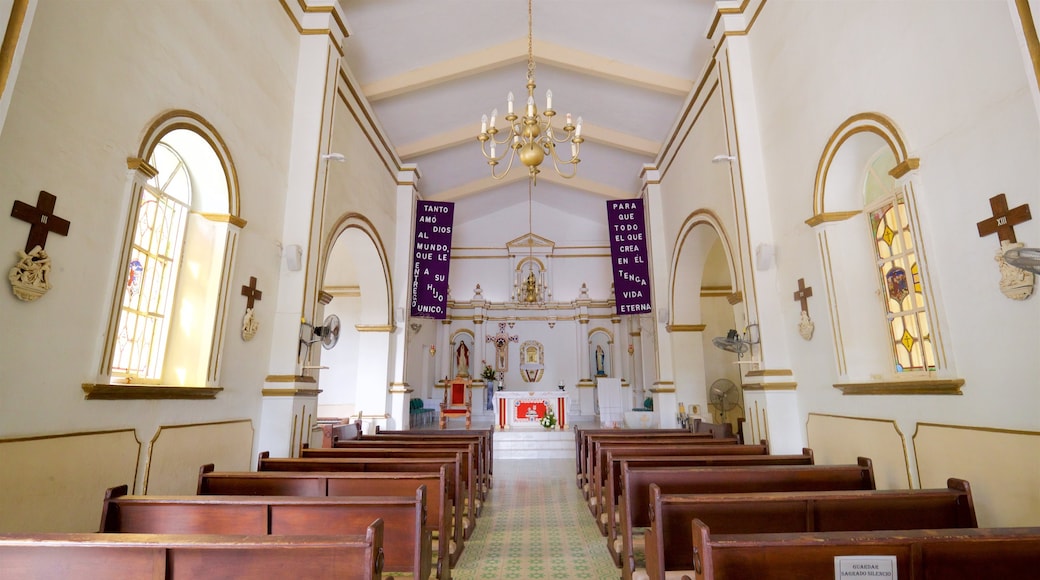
column 525, row 409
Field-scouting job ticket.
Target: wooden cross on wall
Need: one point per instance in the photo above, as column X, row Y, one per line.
column 1004, row 220
column 251, row 293
column 41, row 219
column 803, row 294
column 501, row 341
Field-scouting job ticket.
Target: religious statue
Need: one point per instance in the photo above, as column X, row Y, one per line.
column 462, row 360
column 600, row 361
column 806, row 326
column 530, row 288
column 250, row 325
column 30, row 275
column 1015, row 283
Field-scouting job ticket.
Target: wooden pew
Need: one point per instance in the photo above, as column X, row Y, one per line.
column 485, row 436
column 612, row 517
column 474, row 470
column 406, row 541
column 636, row 448
column 669, row 543
column 439, row 485
column 462, row 526
column 595, row 442
column 955, row 554
column 480, row 438
column 189, row 557
column 635, row 490
column 581, row 437
column 671, row 456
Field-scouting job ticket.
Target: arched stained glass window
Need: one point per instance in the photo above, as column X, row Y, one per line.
column 155, row 257
column 898, row 272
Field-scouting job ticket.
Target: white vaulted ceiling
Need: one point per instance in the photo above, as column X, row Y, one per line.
column 430, row 69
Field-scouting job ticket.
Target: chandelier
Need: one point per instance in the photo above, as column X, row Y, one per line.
column 531, row 137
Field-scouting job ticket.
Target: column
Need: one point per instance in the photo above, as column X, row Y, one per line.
column 288, row 389
column 663, row 387
column 18, row 23
column 772, row 383
column 400, row 391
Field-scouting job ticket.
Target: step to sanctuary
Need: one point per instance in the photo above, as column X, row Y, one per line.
column 533, row 444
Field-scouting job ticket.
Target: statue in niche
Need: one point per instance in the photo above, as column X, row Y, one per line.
column 530, row 288
column 462, row 360
column 601, row 361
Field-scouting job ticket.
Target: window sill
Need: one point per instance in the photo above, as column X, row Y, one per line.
column 109, row 392
column 904, row 387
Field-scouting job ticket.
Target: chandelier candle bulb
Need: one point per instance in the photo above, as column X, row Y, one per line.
column 548, row 100
column 483, row 125
column 509, row 99
column 568, row 121
column 494, row 113
column 577, row 130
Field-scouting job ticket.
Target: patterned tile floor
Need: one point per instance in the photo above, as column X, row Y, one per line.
column 535, row 525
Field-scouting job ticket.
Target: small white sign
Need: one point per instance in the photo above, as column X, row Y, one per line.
column 864, row 567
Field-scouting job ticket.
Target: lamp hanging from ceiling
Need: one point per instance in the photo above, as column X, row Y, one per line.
column 531, row 137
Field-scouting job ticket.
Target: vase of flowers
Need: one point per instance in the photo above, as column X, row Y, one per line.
column 549, row 419
column 488, row 374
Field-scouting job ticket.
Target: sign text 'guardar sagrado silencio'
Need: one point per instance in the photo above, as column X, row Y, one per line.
column 628, row 255
column 432, row 256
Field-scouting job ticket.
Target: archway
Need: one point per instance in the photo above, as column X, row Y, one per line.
column 355, row 373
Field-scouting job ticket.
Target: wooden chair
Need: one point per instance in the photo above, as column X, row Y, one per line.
column 458, row 402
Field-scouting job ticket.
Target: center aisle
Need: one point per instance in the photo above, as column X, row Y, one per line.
column 535, row 525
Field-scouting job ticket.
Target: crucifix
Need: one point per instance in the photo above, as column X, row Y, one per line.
column 249, row 323
column 1015, row 283
column 41, row 219
column 805, row 324
column 1004, row 220
column 803, row 294
column 501, row 342
column 251, row 293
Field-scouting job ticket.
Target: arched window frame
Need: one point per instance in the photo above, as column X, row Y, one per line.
column 213, row 228
column 855, row 375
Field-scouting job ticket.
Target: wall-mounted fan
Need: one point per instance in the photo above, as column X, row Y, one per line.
column 723, row 396
column 1027, row 259
column 732, row 342
column 328, row 332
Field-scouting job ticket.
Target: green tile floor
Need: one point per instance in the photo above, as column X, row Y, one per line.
column 535, row 525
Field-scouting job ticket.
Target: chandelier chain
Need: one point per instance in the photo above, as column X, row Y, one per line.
column 530, row 42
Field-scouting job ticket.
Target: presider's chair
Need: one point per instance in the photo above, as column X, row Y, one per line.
column 458, row 401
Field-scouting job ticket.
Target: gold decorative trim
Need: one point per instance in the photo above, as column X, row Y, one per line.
column 141, row 166
column 911, row 164
column 10, row 41
column 735, row 298
column 290, row 392
column 585, row 384
column 225, row 219
column 904, row 387
column 770, row 373
column 109, row 392
column 289, row 379
column 831, row 216
column 685, row 327
column 1025, row 16
column 970, row 428
column 324, row 297
column 375, row 327
column 72, row 434
column 662, row 389
column 771, row 386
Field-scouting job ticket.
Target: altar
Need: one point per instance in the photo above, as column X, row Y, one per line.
column 525, row 409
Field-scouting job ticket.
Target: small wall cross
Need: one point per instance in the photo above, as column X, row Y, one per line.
column 251, row 293
column 803, row 294
column 1004, row 220
column 41, row 219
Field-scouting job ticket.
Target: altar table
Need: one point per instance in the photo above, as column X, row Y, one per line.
column 524, row 409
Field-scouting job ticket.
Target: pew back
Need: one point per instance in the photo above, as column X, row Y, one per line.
column 188, row 557
column 957, row 554
column 407, row 543
column 802, row 511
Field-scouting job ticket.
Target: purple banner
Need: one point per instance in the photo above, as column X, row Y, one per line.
column 628, row 256
column 433, row 222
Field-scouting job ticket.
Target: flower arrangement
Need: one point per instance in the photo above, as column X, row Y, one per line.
column 488, row 373
column 549, row 419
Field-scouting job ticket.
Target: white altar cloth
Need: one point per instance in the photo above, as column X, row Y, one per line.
column 524, row 409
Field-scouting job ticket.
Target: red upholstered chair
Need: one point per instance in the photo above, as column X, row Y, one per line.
column 458, row 401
